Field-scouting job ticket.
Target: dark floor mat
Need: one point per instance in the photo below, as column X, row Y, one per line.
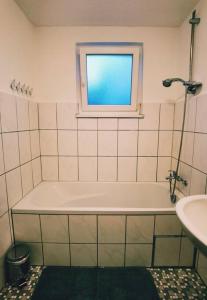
column 65, row 283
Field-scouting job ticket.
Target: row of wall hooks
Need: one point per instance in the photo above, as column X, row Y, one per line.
column 21, row 88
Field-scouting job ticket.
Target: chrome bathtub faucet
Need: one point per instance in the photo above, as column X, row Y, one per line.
column 174, row 176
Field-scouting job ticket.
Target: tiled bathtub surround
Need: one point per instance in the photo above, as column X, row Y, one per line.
column 105, row 149
column 20, row 165
column 194, row 163
column 104, row 240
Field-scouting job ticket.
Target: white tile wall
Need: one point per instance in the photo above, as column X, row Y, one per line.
column 19, row 173
column 56, row 254
column 49, row 168
column 107, row 168
column 148, row 143
column 127, row 167
column 24, row 146
column 68, row 168
column 84, row 255
column 127, row 143
column 107, row 143
column 11, row 150
column 88, row 169
column 67, row 143
column 66, row 116
column 87, row 143
column 147, row 169
column 48, row 142
column 47, row 116
column 54, row 228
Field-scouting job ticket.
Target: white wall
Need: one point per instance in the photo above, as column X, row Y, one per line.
column 56, row 67
column 17, row 46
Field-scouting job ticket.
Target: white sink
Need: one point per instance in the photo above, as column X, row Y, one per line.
column 192, row 212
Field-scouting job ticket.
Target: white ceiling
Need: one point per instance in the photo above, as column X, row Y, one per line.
column 107, row 12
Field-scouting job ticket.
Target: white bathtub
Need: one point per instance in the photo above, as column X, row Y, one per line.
column 97, row 197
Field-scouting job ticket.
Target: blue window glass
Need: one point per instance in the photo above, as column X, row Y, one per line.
column 109, row 79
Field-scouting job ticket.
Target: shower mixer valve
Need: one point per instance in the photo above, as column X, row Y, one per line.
column 174, row 176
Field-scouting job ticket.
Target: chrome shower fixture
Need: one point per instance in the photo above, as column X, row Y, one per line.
column 192, row 87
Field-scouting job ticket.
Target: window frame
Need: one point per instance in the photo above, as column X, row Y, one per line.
column 131, row 50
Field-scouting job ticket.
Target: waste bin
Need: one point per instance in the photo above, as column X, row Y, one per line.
column 17, row 263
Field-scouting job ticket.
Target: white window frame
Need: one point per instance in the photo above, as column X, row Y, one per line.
column 133, row 50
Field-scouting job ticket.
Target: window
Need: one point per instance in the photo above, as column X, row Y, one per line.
column 109, row 78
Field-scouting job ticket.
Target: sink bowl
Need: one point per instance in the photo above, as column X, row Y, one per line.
column 192, row 212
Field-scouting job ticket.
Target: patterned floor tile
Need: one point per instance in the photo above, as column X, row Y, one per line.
column 172, row 283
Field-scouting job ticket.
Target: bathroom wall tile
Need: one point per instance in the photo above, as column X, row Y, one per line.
column 127, row 143
column 176, row 143
column 167, row 251
column 22, row 114
column 47, row 116
column 24, row 146
column 27, row 179
column 198, row 183
column 49, row 168
column 68, row 168
column 88, row 168
column 107, row 168
column 186, row 252
column 138, row 255
column 178, row 118
column 87, row 143
column 107, row 124
column 140, row 229
column 36, row 171
column 1, row 156
column 3, row 195
column 110, row 255
column 167, row 116
column 14, row 187
column 148, row 142
column 54, row 228
column 36, row 255
column 48, row 142
column 128, row 124
column 146, row 169
column 66, row 115
column 5, row 236
column 83, row 229
column 201, row 125
column 127, row 168
column 167, row 225
column 84, row 255
column 56, row 254
column 67, row 142
column 107, row 143
column 187, row 148
column 111, row 229
column 33, row 116
column 87, row 124
column 185, row 171
column 35, row 143
column 11, row 150
column 28, row 233
column 165, row 143
column 163, row 168
column 151, row 117
column 8, row 113
column 190, row 118
column 200, row 149
column 202, row 267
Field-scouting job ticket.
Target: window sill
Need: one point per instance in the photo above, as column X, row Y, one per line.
column 109, row 115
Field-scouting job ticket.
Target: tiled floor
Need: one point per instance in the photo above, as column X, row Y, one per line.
column 183, row 284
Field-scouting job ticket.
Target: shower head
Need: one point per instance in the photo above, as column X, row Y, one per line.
column 192, row 87
column 168, row 82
